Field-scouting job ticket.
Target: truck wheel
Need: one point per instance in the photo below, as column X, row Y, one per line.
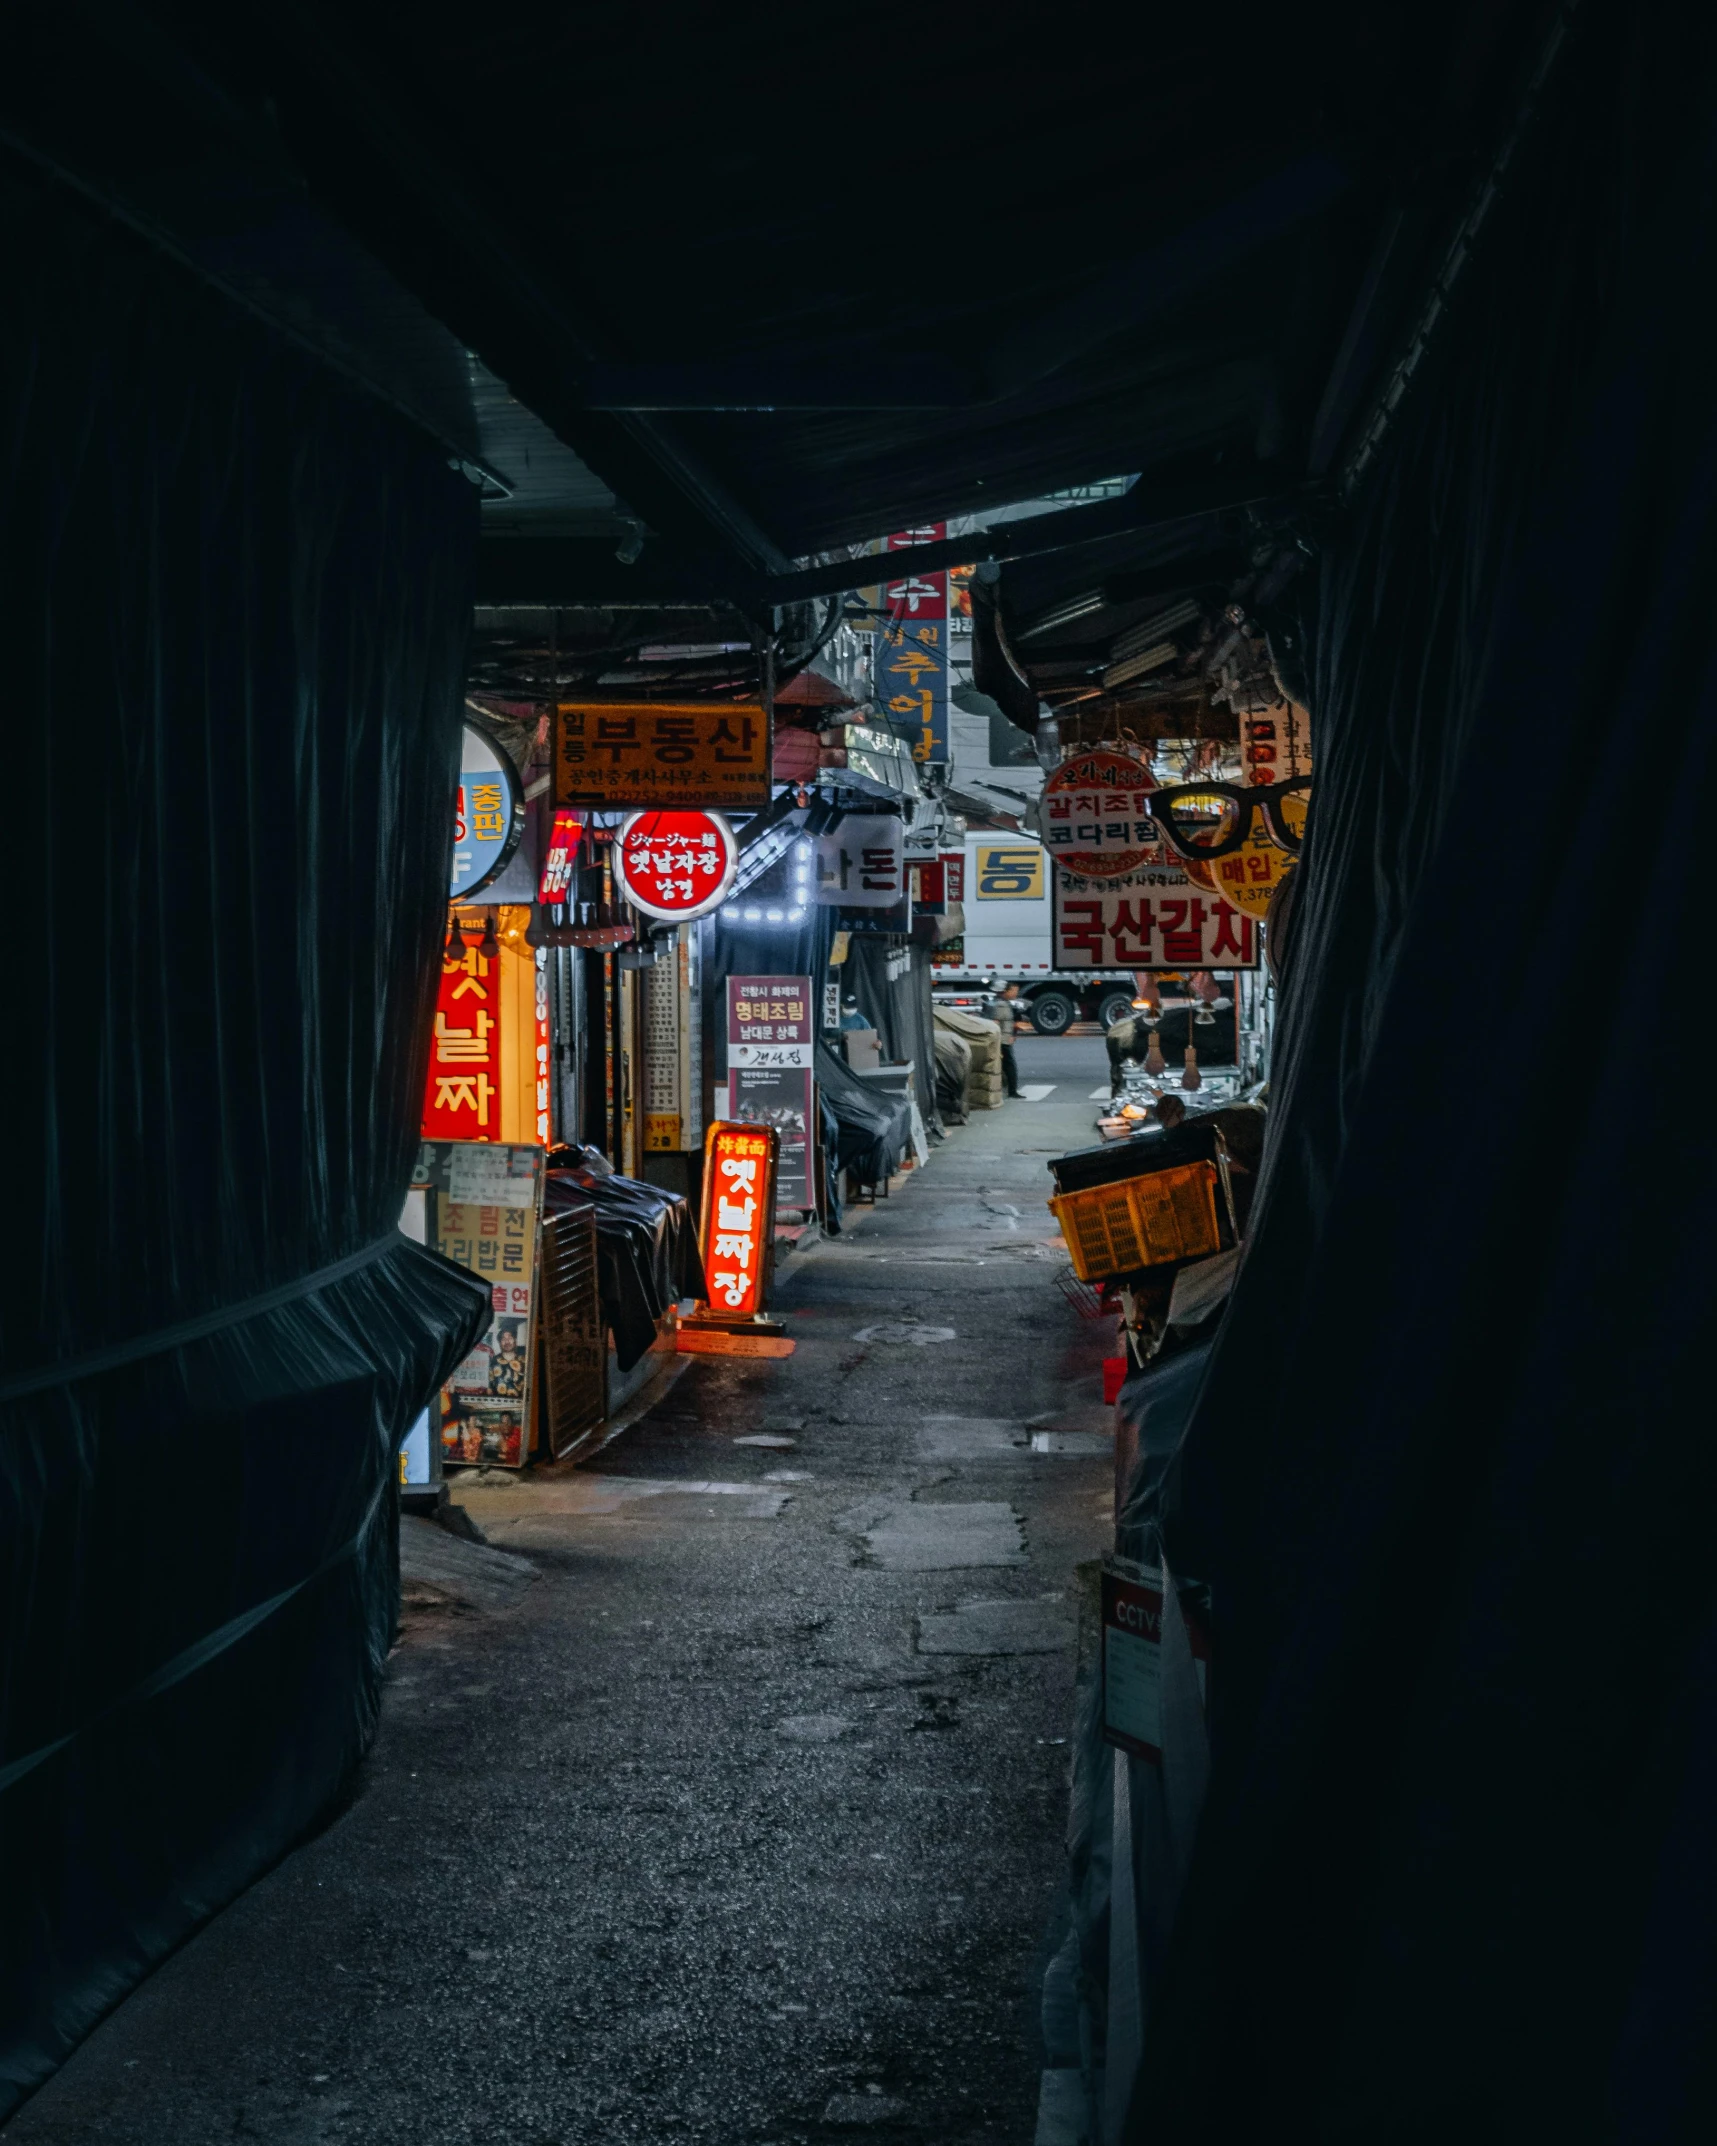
column 1114, row 1006
column 1052, row 1013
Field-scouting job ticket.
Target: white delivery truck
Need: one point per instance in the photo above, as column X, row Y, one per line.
column 1005, row 892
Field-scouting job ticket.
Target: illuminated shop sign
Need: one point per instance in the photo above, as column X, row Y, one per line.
column 675, row 865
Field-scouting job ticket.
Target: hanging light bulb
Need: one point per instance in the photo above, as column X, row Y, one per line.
column 489, row 946
column 455, row 949
column 1155, row 1062
column 1192, row 1077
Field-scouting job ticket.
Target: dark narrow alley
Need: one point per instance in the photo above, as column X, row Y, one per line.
column 732, row 1811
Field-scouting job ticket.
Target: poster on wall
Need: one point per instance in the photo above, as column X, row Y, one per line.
column 483, row 1204
column 770, row 1033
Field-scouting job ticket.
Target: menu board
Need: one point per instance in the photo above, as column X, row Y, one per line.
column 484, row 1202
column 770, row 1038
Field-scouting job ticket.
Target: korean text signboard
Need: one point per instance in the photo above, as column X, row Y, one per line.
column 1158, row 920
column 1008, row 872
column 712, row 754
column 770, row 1033
column 675, row 865
column 1096, row 818
column 488, row 815
column 462, row 1100
column 1277, row 748
column 483, row 1206
column 862, row 865
column 738, row 1217
column 912, row 651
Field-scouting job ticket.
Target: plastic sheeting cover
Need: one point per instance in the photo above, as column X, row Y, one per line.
column 646, row 1248
column 1451, row 1475
column 235, row 601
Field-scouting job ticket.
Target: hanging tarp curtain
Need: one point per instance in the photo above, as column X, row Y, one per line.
column 235, row 600
column 1451, row 1476
column 898, row 1006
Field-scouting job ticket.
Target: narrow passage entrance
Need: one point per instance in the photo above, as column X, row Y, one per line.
column 725, row 1803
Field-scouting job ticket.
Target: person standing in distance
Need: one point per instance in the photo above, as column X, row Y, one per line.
column 1002, row 1013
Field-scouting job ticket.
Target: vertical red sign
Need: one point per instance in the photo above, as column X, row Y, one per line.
column 462, row 1100
column 738, row 1216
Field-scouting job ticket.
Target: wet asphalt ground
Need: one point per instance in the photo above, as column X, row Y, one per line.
column 734, row 1814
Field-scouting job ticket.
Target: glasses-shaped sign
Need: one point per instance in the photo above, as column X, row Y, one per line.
column 1202, row 820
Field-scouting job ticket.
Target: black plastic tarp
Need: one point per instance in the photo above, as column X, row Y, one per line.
column 646, row 1247
column 235, row 599
column 875, row 1127
column 890, row 978
column 1452, row 1474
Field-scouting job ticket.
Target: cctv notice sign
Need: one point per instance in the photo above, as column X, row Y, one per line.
column 1133, row 1667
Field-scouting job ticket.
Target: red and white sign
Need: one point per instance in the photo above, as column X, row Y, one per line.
column 1096, row 819
column 561, row 856
column 462, row 1100
column 675, row 865
column 919, row 595
column 738, row 1216
column 1156, row 920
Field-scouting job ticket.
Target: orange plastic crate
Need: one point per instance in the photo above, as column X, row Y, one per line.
column 1132, row 1223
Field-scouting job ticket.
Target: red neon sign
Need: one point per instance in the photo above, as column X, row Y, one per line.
column 738, row 1216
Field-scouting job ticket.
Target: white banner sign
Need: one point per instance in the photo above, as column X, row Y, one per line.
column 862, row 865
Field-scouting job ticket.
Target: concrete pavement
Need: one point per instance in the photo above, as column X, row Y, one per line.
column 733, row 1812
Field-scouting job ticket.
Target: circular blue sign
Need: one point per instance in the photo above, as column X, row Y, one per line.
column 488, row 814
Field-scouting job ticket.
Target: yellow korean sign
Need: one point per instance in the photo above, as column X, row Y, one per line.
column 614, row 754
column 1009, row 872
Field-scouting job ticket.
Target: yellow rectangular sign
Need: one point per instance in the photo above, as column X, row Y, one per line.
column 1010, row 872
column 708, row 754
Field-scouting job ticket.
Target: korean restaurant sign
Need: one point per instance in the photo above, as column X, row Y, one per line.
column 710, row 754
column 1095, row 816
column 770, row 1038
column 1156, row 920
column 738, row 1217
column 912, row 651
column 862, row 864
column 675, row 865
column 1276, row 748
column 462, row 1100
column 488, row 814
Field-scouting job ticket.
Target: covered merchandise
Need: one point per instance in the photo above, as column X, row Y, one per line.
column 874, row 1127
column 646, row 1245
column 1449, row 1476
column 984, row 1038
column 953, row 1071
column 891, row 980
column 236, row 596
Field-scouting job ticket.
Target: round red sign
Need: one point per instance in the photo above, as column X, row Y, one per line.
column 675, row 865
